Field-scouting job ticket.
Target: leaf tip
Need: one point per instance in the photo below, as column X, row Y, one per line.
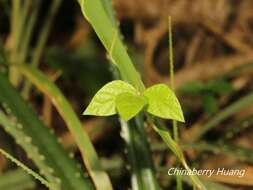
column 85, row 112
column 181, row 119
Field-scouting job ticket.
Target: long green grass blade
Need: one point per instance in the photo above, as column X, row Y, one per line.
column 26, row 143
column 69, row 176
column 100, row 178
column 95, row 13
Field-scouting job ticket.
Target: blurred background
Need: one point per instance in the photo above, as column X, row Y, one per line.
column 213, row 59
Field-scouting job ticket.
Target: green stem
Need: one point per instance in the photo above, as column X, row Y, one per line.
column 28, row 32
column 15, row 23
column 174, row 122
column 143, row 172
column 15, row 27
column 22, row 24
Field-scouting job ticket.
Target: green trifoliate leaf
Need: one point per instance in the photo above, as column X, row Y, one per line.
column 128, row 105
column 162, row 102
column 104, row 101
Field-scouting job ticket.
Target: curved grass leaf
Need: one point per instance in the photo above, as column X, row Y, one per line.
column 128, row 105
column 95, row 13
column 26, row 143
column 104, row 102
column 55, row 156
column 162, row 102
column 89, row 155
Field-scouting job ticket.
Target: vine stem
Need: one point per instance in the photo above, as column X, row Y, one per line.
column 174, row 122
column 172, row 84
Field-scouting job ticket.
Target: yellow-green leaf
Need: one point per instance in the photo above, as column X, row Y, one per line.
column 162, row 102
column 128, row 105
column 103, row 103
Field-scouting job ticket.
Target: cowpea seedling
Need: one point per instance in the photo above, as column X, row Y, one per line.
column 122, row 98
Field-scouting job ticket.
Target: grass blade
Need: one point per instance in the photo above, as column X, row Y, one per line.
column 53, row 153
column 100, row 178
column 26, row 143
column 95, row 13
